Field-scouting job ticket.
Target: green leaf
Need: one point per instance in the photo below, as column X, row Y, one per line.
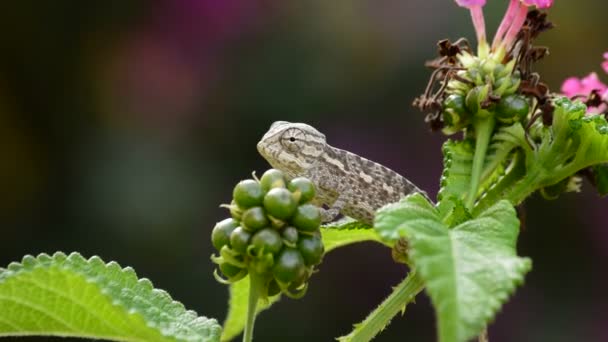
column 575, row 141
column 457, row 165
column 600, row 174
column 469, row 270
column 70, row 296
column 346, row 232
column 335, row 235
column 346, row 223
column 237, row 308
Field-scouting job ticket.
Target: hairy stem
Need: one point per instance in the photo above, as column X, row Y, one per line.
column 404, row 293
column 256, row 284
column 483, row 132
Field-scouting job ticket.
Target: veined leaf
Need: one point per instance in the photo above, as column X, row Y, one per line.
column 70, row 296
column 469, row 270
column 335, row 235
column 457, row 165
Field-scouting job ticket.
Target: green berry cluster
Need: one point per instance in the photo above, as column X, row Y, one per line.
column 273, row 231
column 484, row 87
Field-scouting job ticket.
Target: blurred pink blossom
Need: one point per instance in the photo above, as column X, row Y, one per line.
column 574, row 86
column 162, row 73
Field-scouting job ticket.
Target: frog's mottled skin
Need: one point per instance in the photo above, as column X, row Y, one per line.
column 346, row 183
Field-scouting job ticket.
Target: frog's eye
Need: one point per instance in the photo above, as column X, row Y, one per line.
column 293, row 139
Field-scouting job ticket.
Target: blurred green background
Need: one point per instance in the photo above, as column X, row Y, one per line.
column 124, row 124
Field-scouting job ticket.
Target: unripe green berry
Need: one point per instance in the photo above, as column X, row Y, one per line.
column 512, row 108
column 220, row 236
column 307, row 218
column 312, row 249
column 303, row 187
column 254, row 219
column 248, row 193
column 289, row 266
column 272, row 178
column 290, row 236
column 239, row 240
column 279, row 203
column 455, row 114
column 267, row 241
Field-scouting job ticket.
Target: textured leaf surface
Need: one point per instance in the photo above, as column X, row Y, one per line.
column 335, row 235
column 469, row 270
column 576, row 141
column 70, row 296
column 457, row 165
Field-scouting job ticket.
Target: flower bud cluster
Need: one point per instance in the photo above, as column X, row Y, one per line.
column 483, row 87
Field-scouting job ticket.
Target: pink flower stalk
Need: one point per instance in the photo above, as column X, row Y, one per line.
column 542, row 4
column 514, row 19
column 574, row 86
column 476, row 9
column 516, row 25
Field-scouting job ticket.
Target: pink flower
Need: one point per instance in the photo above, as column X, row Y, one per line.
column 514, row 19
column 511, row 24
column 538, row 3
column 576, row 87
column 475, row 6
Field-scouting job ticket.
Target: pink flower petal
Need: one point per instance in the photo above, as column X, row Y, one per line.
column 538, row 3
column 605, row 63
column 592, row 82
column 571, row 86
column 574, row 86
column 470, row 3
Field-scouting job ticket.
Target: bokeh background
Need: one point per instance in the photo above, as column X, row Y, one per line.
column 124, row 124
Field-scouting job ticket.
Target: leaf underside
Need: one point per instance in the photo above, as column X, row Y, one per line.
column 469, row 270
column 63, row 295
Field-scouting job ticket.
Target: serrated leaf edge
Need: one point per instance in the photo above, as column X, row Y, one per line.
column 95, row 270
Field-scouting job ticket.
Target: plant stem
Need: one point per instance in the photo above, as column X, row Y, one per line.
column 514, row 173
column 483, row 132
column 378, row 319
column 483, row 337
column 525, row 187
column 256, row 284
